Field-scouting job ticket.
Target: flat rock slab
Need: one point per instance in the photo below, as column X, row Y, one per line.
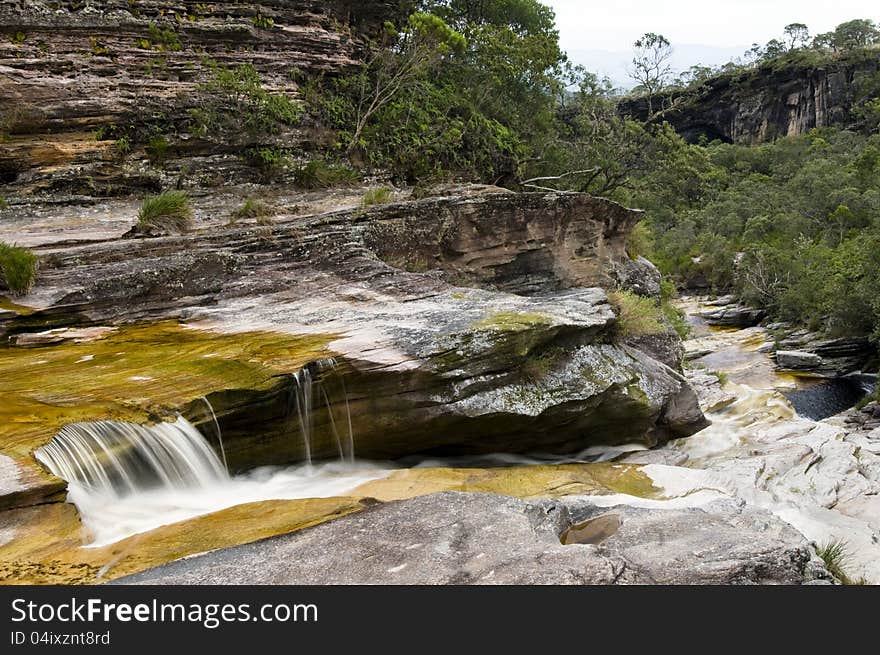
column 472, row 538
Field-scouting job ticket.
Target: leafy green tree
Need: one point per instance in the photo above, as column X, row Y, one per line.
column 406, row 56
column 797, row 35
column 850, row 35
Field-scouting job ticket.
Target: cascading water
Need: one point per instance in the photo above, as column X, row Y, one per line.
column 126, row 478
column 118, row 459
column 219, row 432
column 309, row 382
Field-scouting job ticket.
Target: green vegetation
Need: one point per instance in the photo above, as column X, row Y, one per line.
column 270, row 162
column 18, row 269
column 378, row 196
column 460, row 90
column 234, row 100
column 122, row 145
column 536, row 367
column 3, row 202
column 157, row 147
column 262, row 22
column 99, row 49
column 791, row 226
column 835, row 555
column 321, row 174
column 169, row 211
column 636, row 315
column 254, row 208
column 161, row 39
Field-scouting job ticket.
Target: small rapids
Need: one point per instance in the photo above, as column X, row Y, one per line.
column 126, row 479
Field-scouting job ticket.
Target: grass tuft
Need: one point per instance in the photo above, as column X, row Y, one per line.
column 836, row 555
column 254, row 208
column 318, row 174
column 636, row 315
column 170, row 211
column 18, row 269
column 380, row 196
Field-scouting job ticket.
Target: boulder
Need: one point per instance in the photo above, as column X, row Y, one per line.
column 733, row 316
column 797, row 360
column 639, row 276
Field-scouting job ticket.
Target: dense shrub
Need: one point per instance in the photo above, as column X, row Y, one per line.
column 18, row 269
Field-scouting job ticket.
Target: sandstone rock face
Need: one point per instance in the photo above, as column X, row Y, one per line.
column 455, row 538
column 74, row 76
column 763, row 104
column 522, row 359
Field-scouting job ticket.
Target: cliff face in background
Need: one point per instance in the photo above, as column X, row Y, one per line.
column 768, row 102
column 71, row 73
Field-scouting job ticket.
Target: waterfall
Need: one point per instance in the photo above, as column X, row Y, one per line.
column 219, row 433
column 309, row 384
column 115, row 459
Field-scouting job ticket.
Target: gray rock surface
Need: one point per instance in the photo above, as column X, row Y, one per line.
column 466, row 538
column 797, row 360
column 733, row 316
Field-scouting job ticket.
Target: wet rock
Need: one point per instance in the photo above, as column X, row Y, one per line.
column 61, row 335
column 836, row 357
column 709, row 390
column 456, row 538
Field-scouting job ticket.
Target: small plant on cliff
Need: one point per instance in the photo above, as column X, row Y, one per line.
column 836, row 556
column 157, row 147
column 254, row 208
column 319, row 174
column 379, row 196
column 3, row 202
column 160, row 39
column 170, row 211
column 262, row 22
column 636, row 316
column 18, row 269
column 122, row 145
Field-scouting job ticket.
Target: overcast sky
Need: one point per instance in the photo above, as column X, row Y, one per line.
column 600, row 34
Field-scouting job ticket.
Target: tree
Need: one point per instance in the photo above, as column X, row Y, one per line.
column 650, row 64
column 409, row 54
column 797, row 35
column 853, row 34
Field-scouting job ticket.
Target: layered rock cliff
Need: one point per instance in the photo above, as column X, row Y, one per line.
column 83, row 85
column 463, row 324
column 771, row 101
